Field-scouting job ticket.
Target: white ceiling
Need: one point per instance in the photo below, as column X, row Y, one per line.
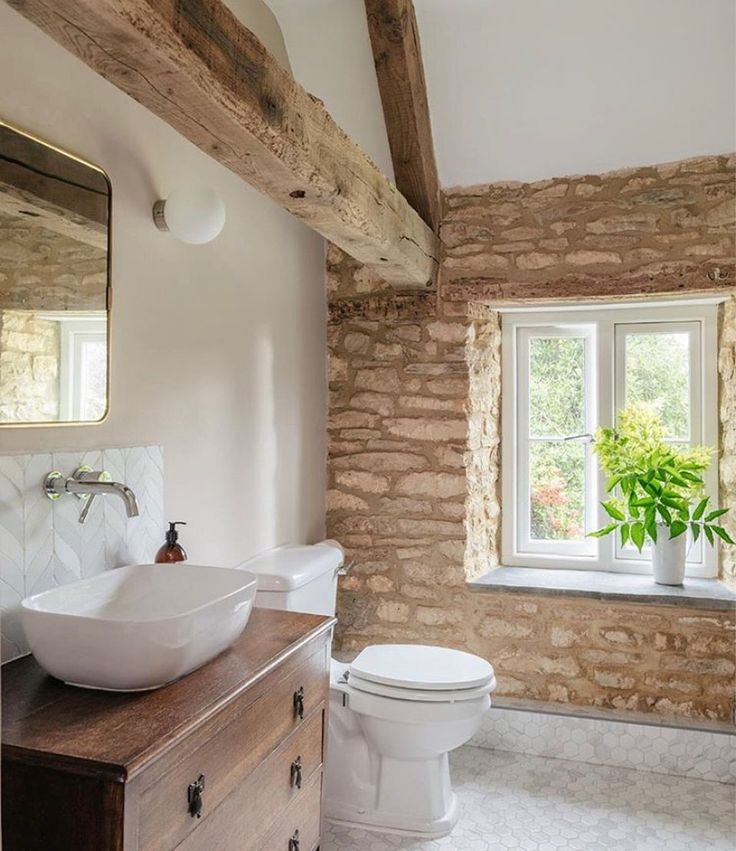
column 528, row 89
column 330, row 54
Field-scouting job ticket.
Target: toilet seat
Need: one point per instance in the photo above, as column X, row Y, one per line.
column 424, row 695
column 419, row 672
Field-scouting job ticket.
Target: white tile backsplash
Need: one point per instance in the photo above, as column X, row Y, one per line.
column 644, row 747
column 42, row 543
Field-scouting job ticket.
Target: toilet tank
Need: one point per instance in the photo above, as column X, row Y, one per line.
column 298, row 578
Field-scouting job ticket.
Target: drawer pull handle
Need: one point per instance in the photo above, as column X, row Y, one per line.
column 294, row 842
column 299, row 702
column 296, row 773
column 194, row 797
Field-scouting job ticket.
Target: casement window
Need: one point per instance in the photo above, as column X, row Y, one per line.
column 82, row 363
column 567, row 372
column 83, row 369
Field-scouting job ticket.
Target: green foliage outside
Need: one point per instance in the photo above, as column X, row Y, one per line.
column 556, row 409
column 661, row 485
column 658, row 374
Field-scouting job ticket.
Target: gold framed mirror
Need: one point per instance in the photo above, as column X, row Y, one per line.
column 54, row 284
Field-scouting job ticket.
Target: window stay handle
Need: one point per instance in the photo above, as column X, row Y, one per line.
column 583, row 438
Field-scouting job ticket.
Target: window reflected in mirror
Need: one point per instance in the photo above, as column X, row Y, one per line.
column 54, row 284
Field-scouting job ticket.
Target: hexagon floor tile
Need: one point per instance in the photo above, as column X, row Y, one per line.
column 515, row 802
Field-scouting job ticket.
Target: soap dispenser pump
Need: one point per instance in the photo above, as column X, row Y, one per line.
column 172, row 551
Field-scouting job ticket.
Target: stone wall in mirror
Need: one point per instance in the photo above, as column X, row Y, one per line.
column 54, row 284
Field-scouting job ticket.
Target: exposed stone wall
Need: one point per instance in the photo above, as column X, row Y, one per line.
column 414, row 444
column 40, row 270
column 727, row 467
column 44, row 270
column 29, row 368
column 667, row 222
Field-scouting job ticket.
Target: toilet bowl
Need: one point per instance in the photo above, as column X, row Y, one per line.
column 396, row 711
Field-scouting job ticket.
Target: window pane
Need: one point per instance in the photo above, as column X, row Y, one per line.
column 557, row 491
column 93, row 379
column 658, row 373
column 556, row 395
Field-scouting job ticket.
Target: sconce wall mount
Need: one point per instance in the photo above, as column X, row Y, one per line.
column 194, row 215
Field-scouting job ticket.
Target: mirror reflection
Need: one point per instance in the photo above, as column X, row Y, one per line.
column 54, row 284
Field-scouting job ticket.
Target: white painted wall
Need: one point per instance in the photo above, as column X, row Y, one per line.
column 330, row 53
column 218, row 351
column 529, row 89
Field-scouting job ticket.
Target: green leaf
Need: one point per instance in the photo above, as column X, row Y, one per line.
column 709, row 534
column 719, row 513
column 695, row 529
column 601, row 533
column 700, row 510
column 722, row 534
column 633, row 507
column 691, row 477
column 664, row 514
column 625, row 532
column 672, row 502
column 612, row 482
column 652, row 531
column 643, row 503
column 677, row 528
column 637, row 535
column 612, row 510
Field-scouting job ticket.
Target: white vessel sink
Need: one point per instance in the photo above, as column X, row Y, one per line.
column 138, row 627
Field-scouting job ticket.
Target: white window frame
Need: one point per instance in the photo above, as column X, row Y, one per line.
column 604, row 329
column 75, row 329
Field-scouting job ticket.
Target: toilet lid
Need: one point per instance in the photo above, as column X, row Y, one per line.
column 421, row 667
column 421, row 695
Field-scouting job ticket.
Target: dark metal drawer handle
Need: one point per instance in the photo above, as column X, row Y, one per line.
column 296, row 773
column 194, row 797
column 299, row 702
column 294, row 842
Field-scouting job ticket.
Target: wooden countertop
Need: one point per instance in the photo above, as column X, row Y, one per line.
column 114, row 733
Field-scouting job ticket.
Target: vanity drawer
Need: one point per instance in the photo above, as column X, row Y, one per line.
column 301, row 821
column 248, row 815
column 230, row 753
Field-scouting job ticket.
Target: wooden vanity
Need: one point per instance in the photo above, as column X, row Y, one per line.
column 228, row 758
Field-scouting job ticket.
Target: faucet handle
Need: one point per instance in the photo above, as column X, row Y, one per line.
column 85, row 473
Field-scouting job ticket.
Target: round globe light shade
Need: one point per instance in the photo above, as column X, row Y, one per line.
column 194, row 214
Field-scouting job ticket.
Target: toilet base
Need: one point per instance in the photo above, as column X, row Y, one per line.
column 381, row 823
column 409, row 797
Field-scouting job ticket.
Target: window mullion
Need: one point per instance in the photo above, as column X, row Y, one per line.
column 607, row 385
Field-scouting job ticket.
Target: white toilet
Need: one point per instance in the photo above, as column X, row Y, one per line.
column 395, row 712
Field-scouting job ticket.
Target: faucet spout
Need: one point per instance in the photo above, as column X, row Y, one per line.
column 116, row 488
column 89, row 484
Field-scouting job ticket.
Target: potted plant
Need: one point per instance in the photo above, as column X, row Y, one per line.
column 659, row 491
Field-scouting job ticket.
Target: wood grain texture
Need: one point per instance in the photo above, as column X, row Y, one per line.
column 84, row 810
column 681, row 281
column 194, row 65
column 122, row 785
column 116, row 735
column 397, row 55
column 251, row 810
column 228, row 756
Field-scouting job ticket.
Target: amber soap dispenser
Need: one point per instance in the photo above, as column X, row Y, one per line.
column 172, row 551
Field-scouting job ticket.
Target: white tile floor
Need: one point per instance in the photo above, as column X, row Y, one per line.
column 528, row 803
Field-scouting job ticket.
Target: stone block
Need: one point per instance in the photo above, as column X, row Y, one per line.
column 439, row 485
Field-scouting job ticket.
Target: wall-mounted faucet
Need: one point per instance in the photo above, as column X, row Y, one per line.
column 86, row 483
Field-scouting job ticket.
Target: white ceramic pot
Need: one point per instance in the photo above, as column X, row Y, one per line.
column 668, row 557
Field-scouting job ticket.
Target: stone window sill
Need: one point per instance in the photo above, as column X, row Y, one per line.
column 612, row 587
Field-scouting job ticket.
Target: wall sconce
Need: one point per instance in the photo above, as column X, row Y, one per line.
column 192, row 214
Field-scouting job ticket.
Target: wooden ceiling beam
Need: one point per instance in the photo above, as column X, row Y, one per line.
column 194, row 65
column 397, row 53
